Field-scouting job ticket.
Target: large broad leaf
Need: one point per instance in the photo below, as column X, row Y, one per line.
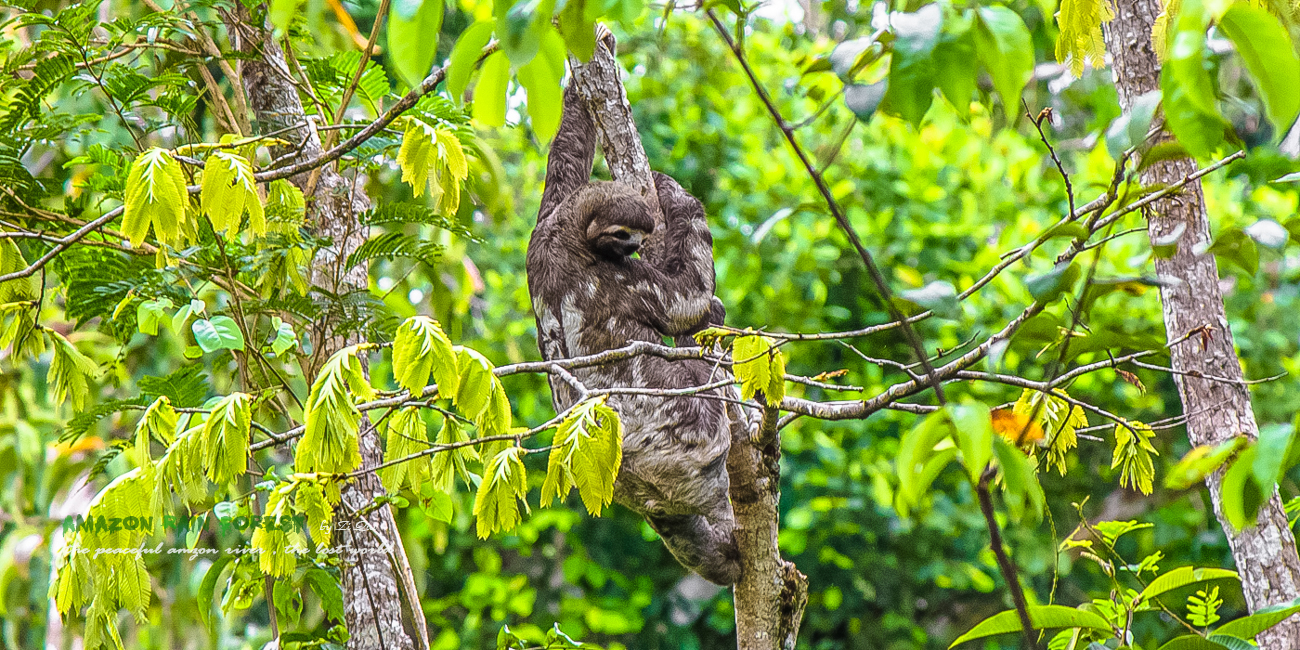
column 1192, row 642
column 1182, row 577
column 955, row 61
column 1191, row 110
column 541, row 78
column 1007, row 51
column 490, row 94
column 218, row 333
column 1240, row 494
column 413, row 27
column 1043, row 617
column 464, row 55
column 911, row 70
column 1266, row 49
column 1249, row 626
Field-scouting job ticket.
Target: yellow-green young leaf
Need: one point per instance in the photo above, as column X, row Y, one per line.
column 229, row 190
column 1021, row 490
column 1160, row 28
column 496, row 419
column 1059, row 421
column 490, row 94
column 182, row 470
column 587, row 453
column 330, row 443
column 505, row 482
column 225, row 438
column 125, row 497
column 159, row 422
column 475, row 388
column 155, row 195
column 70, row 372
column 1080, row 40
column 131, row 578
column 18, row 299
column 420, row 350
column 760, row 368
column 415, row 156
column 445, row 465
column 541, row 79
column 272, row 544
column 311, row 499
column 71, row 587
column 452, row 170
column 1133, row 455
column 1202, row 461
column 406, row 436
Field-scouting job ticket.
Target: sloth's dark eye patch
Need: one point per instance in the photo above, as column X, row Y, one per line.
column 623, row 235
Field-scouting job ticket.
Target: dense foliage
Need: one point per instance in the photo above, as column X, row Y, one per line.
column 175, row 329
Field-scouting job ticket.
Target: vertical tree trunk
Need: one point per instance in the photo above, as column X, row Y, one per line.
column 771, row 593
column 382, row 608
column 1216, row 410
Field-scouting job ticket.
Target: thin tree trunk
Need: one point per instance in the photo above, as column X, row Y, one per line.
column 381, row 606
column 1216, row 410
column 771, row 593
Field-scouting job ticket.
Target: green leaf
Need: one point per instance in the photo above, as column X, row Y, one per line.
column 155, row 195
column 330, row 441
column 1049, row 286
column 70, row 372
column 760, row 367
column 864, row 99
column 496, row 505
column 313, row 500
column 447, row 464
column 416, row 155
column 1267, row 51
column 407, row 436
column 541, row 78
column 939, row 297
column 272, row 545
column 150, row 313
column 1203, row 607
column 285, row 338
column 1182, row 577
column 1022, row 491
column 587, row 452
column 475, row 382
column 955, row 62
column 911, row 69
column 1274, row 447
column 1248, row 627
column 225, row 438
column 490, row 93
column 281, row 13
column 208, row 588
column 578, row 30
column 916, row 451
column 1043, row 617
column 464, row 56
column 1191, row 108
column 1133, row 455
column 1192, row 642
column 413, row 37
column 327, row 588
column 228, row 191
column 1235, row 246
column 1080, row 40
column 1202, row 461
column 973, row 425
column 218, row 333
column 421, row 350
column 519, row 27
column 1007, row 51
column 1239, row 493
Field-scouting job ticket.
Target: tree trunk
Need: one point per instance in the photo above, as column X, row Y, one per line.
column 1216, row 410
column 771, row 593
column 382, row 608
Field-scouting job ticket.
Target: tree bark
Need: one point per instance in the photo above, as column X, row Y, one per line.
column 771, row 593
column 1216, row 410
column 381, row 606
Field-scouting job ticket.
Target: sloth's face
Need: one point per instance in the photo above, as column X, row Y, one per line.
column 617, row 232
column 618, row 241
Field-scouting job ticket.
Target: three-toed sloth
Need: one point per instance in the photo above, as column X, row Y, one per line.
column 591, row 294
